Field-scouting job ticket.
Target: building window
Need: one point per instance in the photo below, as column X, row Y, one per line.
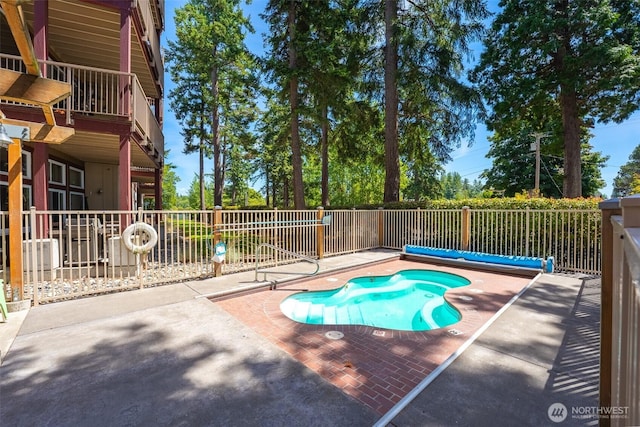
column 27, row 200
column 57, row 173
column 4, row 197
column 76, row 201
column 26, row 163
column 76, row 177
column 56, row 200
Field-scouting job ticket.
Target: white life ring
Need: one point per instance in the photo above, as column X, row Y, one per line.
column 141, row 228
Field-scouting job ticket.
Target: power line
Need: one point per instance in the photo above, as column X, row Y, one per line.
column 474, row 172
column 552, row 179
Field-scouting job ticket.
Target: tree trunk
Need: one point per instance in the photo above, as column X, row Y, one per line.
column 324, row 142
column 266, row 184
column 296, row 159
column 223, row 167
column 391, row 151
column 285, row 194
column 218, row 184
column 201, row 177
column 572, row 183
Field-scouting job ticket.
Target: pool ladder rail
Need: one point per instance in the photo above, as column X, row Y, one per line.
column 284, row 251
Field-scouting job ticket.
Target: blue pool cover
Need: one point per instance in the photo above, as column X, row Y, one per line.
column 515, row 261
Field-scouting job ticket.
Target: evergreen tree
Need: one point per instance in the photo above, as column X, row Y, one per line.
column 513, row 168
column 333, row 66
column 428, row 109
column 169, row 181
column 190, row 98
column 288, row 22
column 583, row 54
column 193, row 195
column 211, row 58
column 274, row 161
column 626, row 181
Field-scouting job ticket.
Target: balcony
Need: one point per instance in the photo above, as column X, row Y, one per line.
column 101, row 95
column 151, row 22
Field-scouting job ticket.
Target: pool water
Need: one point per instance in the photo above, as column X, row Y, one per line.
column 410, row 300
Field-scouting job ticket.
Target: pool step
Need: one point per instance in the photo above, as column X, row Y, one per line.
column 330, row 315
column 315, row 314
column 342, row 315
column 355, row 315
column 301, row 311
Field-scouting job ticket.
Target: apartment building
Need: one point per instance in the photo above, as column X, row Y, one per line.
column 109, row 52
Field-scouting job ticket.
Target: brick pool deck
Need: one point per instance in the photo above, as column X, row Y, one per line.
column 355, row 363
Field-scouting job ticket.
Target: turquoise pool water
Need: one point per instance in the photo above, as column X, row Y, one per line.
column 410, row 300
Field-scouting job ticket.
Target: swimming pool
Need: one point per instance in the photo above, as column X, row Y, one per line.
column 409, row 300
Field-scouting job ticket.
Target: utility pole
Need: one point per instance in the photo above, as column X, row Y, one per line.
column 538, row 136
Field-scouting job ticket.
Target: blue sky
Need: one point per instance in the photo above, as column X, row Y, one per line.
column 615, row 140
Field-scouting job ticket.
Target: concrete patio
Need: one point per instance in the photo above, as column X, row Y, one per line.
column 166, row 356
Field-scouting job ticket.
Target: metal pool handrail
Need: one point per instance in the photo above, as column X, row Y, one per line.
column 284, row 251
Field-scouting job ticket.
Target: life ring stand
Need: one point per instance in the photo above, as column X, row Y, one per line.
column 139, row 228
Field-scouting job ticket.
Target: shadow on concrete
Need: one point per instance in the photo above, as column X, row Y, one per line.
column 575, row 376
column 535, row 355
column 163, row 373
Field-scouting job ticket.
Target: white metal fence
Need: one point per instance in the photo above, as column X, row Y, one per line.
column 572, row 237
column 244, row 231
column 440, row 228
column 67, row 254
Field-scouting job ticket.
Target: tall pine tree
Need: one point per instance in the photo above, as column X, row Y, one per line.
column 582, row 53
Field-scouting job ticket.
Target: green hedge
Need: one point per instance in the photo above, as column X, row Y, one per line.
column 497, row 203
column 501, row 203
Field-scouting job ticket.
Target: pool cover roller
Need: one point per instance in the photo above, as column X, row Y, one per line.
column 516, row 261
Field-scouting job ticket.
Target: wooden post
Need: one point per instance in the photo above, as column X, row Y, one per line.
column 15, row 217
column 466, row 228
column 217, row 237
column 608, row 208
column 320, row 233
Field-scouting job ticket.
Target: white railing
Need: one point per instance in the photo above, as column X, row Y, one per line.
column 572, row 237
column 144, row 120
column 72, row 253
column 96, row 91
column 351, row 231
column 69, row 253
column 620, row 311
column 441, row 228
column 290, row 230
column 93, row 90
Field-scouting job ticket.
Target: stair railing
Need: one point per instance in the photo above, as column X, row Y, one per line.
column 284, row 251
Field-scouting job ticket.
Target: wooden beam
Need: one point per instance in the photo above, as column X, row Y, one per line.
column 17, row 2
column 30, row 89
column 13, row 14
column 42, row 132
column 49, row 117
